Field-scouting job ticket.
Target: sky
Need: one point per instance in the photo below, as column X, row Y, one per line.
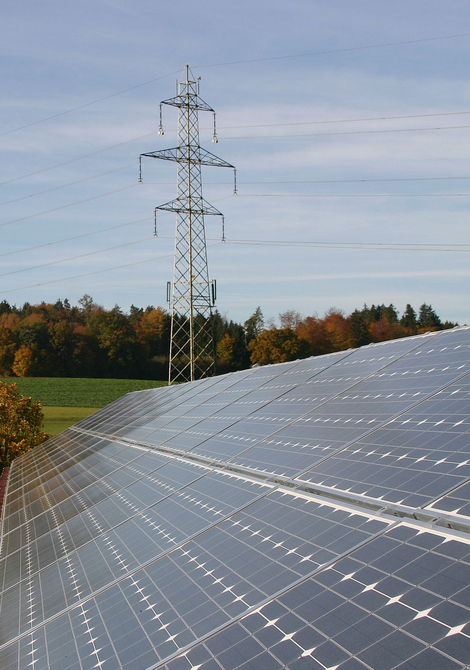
column 348, row 123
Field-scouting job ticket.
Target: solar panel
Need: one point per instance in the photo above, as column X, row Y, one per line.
column 307, row 515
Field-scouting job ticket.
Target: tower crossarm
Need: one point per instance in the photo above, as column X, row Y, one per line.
column 191, row 154
column 194, row 102
column 181, row 205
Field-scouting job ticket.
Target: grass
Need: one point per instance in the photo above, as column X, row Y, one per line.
column 57, row 419
column 77, row 392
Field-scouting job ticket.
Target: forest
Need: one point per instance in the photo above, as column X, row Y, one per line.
column 87, row 340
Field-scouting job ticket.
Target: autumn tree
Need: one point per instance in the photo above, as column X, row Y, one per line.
column 230, row 339
column 313, row 330
column 23, row 361
column 8, row 347
column 383, row 330
column 152, row 326
column 61, row 340
column 290, row 319
column 121, row 355
column 382, row 322
column 225, row 352
column 33, row 354
column 88, row 307
column 278, row 346
column 153, row 330
column 20, row 424
column 336, row 326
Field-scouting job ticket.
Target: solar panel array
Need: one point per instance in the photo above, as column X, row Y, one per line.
column 312, row 515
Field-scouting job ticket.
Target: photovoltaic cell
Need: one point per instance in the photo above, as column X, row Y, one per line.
column 399, row 602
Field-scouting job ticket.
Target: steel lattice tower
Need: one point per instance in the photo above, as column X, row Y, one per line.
column 191, row 295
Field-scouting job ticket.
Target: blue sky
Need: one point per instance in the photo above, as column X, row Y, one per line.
column 352, row 157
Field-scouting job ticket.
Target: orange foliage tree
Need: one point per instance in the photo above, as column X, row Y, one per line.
column 20, row 424
column 226, row 350
column 22, row 361
column 337, row 329
column 313, row 329
column 278, row 346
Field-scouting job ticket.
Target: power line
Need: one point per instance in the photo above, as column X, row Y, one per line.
column 246, row 195
column 252, row 60
column 353, row 195
column 314, row 123
column 75, row 237
column 363, row 246
column 86, row 274
column 324, row 121
column 94, row 272
column 329, row 181
column 334, row 51
column 273, row 242
column 79, row 158
column 352, row 246
column 71, row 204
column 73, row 258
column 346, row 132
column 342, row 245
column 87, row 104
column 347, row 181
column 136, row 139
column 239, row 183
column 71, row 183
column 322, row 181
column 97, row 232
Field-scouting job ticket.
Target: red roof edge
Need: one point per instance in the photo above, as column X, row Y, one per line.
column 3, row 485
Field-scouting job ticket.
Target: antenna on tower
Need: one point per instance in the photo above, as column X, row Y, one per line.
column 191, row 295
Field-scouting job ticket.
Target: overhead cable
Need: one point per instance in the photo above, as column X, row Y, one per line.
column 85, row 274
column 79, row 158
column 363, row 246
column 352, row 246
column 70, row 204
column 344, row 132
column 353, row 195
column 94, row 272
column 249, row 137
column 97, row 232
column 239, row 183
column 75, row 237
column 88, row 104
column 71, row 183
column 73, row 258
column 315, row 123
column 240, row 62
column 320, row 181
column 335, row 51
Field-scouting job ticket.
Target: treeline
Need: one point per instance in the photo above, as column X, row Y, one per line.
column 299, row 337
column 61, row 340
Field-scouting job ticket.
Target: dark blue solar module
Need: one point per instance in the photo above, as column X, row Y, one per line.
column 312, row 515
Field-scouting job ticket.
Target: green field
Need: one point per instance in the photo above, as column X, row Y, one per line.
column 66, row 401
column 57, row 419
column 67, row 392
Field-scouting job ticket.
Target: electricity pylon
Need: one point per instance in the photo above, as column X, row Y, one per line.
column 191, row 295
